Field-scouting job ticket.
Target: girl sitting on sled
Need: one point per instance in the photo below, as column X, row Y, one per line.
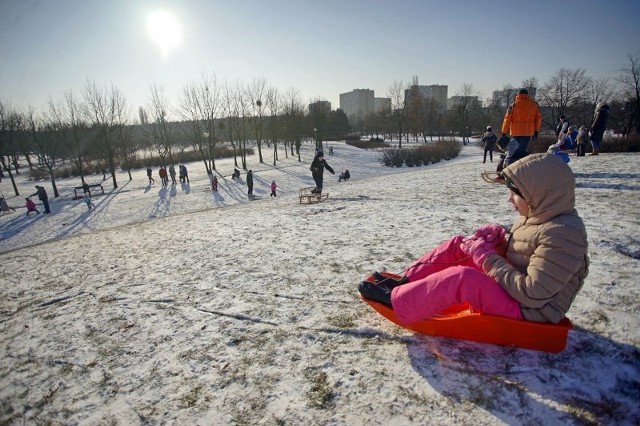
column 534, row 274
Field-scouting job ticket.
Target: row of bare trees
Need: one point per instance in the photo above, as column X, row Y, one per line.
column 569, row 92
column 97, row 127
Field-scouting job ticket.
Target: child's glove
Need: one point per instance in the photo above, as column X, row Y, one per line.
column 478, row 249
column 492, row 233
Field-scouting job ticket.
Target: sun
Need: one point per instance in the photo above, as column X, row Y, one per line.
column 165, row 30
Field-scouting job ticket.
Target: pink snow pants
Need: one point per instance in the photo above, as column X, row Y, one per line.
column 445, row 277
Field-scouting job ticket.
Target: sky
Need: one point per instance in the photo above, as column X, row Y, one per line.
column 176, row 305
column 321, row 49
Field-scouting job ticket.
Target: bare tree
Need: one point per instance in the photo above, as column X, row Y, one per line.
column 10, row 127
column 201, row 108
column 48, row 145
column 416, row 109
column 102, row 112
column 294, row 120
column 123, row 129
column 319, row 112
column 398, row 107
column 244, row 106
column 564, row 90
column 274, row 109
column 531, row 84
column 159, row 127
column 68, row 117
column 630, row 79
column 466, row 105
column 256, row 93
column 231, row 112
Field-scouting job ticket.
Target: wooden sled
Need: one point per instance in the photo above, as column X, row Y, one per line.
column 460, row 322
column 492, row 177
column 307, row 197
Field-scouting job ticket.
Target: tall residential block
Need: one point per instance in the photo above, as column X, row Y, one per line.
column 437, row 92
column 357, row 104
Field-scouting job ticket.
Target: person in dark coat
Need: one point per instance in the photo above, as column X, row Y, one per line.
column 250, row 182
column 317, row 170
column 489, row 139
column 563, row 127
column 598, row 126
column 42, row 195
column 85, row 188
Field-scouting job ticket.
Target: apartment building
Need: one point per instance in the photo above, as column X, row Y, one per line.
column 357, row 104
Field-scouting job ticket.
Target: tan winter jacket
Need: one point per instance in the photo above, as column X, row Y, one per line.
column 547, row 258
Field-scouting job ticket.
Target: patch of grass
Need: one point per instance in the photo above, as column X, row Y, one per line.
column 321, row 394
column 190, row 398
column 335, row 267
column 342, row 320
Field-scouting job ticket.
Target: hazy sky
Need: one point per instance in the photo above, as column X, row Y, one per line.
column 320, row 47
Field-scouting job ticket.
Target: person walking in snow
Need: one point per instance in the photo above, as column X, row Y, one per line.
column 42, row 195
column 172, row 173
column 598, row 126
column 214, row 183
column 532, row 275
column 317, row 170
column 250, row 182
column 185, row 173
column 562, row 128
column 87, row 201
column 273, row 189
column 489, row 139
column 523, row 119
column 150, row 175
column 163, row 176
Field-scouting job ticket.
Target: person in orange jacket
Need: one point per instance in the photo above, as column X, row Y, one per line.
column 523, row 119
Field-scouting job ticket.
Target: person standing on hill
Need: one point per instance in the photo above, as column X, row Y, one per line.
column 317, row 170
column 172, row 173
column 489, row 139
column 273, row 189
column 185, row 174
column 598, row 126
column 562, row 128
column 250, row 182
column 150, row 175
column 42, row 195
column 523, row 119
column 214, row 183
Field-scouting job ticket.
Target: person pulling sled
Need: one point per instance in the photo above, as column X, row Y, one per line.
column 317, row 170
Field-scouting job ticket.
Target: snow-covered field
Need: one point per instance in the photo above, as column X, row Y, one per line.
column 179, row 306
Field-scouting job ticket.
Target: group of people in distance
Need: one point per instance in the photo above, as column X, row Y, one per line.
column 573, row 138
column 523, row 121
column 171, row 172
column 532, row 272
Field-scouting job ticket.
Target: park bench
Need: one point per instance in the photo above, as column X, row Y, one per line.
column 79, row 188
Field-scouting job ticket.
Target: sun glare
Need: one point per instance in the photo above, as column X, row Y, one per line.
column 165, row 31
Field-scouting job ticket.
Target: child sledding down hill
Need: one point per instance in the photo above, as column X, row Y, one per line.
column 534, row 274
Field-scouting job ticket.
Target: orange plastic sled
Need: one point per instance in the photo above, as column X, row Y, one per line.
column 460, row 322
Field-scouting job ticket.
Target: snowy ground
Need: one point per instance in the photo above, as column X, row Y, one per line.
column 179, row 306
